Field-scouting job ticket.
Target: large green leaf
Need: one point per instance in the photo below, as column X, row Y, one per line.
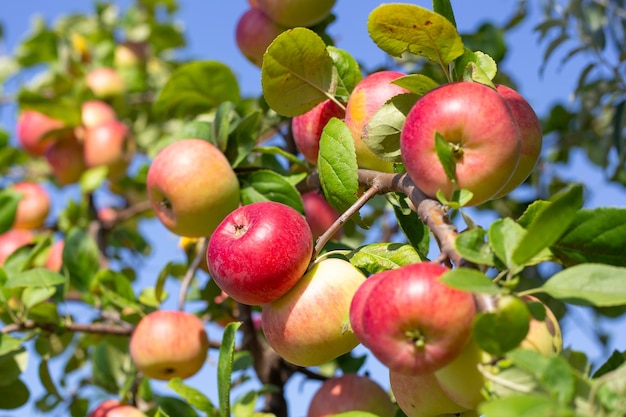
column 225, row 367
column 399, row 28
column 80, row 258
column 36, row 277
column 348, row 72
column 471, row 280
column 377, row 257
column 194, row 397
column 196, row 88
column 61, row 108
column 298, row 72
column 266, row 185
column 9, row 199
column 41, row 46
column 14, row 395
column 472, row 246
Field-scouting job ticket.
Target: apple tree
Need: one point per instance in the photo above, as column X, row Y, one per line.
column 334, row 209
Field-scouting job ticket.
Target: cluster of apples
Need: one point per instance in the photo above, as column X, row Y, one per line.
column 266, row 19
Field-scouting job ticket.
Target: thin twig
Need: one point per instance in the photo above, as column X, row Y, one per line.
column 191, row 272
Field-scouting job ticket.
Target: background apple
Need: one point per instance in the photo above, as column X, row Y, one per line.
column 192, row 187
column 169, row 344
column 54, row 260
column 544, row 336
column 308, row 325
column 350, row 392
column 364, row 101
column 294, row 13
column 108, row 144
column 33, row 207
column 307, row 128
column 253, row 276
column 105, row 82
column 482, row 133
column 319, row 214
column 12, row 240
column 96, row 112
column 254, row 33
column 113, row 408
column 31, row 128
column 65, row 158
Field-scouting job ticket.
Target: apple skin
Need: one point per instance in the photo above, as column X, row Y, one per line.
column 306, row 326
column 307, row 128
column 364, row 101
column 293, row 13
column 350, row 392
column 245, row 272
column 544, row 336
column 31, row 128
column 54, row 261
column 33, row 207
column 105, row 82
column 113, row 408
column 169, row 344
column 531, row 137
column 65, row 158
column 476, row 119
column 12, row 240
column 96, row 112
column 192, row 187
column 411, row 322
column 254, row 33
column 319, row 214
column 108, row 144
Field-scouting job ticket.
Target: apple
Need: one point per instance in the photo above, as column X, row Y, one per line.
column 65, row 158
column 105, row 82
column 292, row 13
column 254, row 33
column 544, row 336
column 358, row 302
column 130, row 54
column 169, row 344
column 12, row 240
column 192, row 187
column 32, row 127
column 364, row 101
column 33, row 207
column 54, row 260
column 96, row 112
column 412, row 322
column 307, row 128
column 108, row 144
column 481, row 131
column 113, row 408
column 350, row 392
column 259, row 252
column 308, row 325
column 531, row 137
column 319, row 214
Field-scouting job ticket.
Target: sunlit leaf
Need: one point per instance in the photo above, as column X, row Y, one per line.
column 471, row 280
column 348, row 71
column 266, row 185
column 36, row 277
column 193, row 397
column 377, row 257
column 225, row 366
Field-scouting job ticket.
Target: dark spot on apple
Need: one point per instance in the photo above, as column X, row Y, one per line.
column 169, row 371
column 428, row 22
column 165, row 203
column 550, row 326
column 240, row 229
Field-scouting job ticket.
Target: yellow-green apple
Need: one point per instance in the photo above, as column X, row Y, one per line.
column 108, row 144
column 422, row 396
column 33, row 207
column 480, row 130
column 130, row 54
column 96, row 112
column 12, row 240
column 364, row 101
column 105, row 82
column 54, row 260
column 247, row 273
column 307, row 128
column 531, row 137
column 210, row 191
column 319, row 214
column 65, row 158
column 294, row 13
column 350, row 392
column 308, row 325
column 169, row 344
column 544, row 336
column 113, row 408
column 411, row 321
column 254, row 33
column 34, row 131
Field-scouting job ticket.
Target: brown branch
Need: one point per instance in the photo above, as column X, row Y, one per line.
column 191, row 272
column 94, row 328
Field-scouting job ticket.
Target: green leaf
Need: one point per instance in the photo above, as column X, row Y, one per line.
column 483, row 62
column 9, row 344
column 109, row 366
column 36, row 277
column 196, row 88
column 198, row 129
column 46, row 379
column 225, row 366
column 80, row 258
column 472, row 246
column 377, row 257
column 243, row 138
column 194, row 397
column 297, row 72
column 40, row 46
column 399, row 28
column 348, row 72
column 589, row 284
column 356, row 414
column 9, row 199
column 61, row 108
column 275, row 150
column 172, row 406
column 446, row 156
column 225, row 121
column 504, row 236
column 471, row 280
column 549, row 224
column 526, row 405
column 93, row 178
column 444, row 8
column 416, row 232
column 418, row 84
column 502, row 330
column 31, row 296
column 14, row 395
column 265, row 185
column 12, row 365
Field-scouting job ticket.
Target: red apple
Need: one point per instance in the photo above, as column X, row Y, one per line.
column 365, row 100
column 12, row 240
column 259, row 252
column 33, row 207
column 307, row 128
column 319, row 214
column 412, row 322
column 192, row 187
column 294, row 13
column 105, row 82
column 254, row 33
column 31, row 130
column 169, row 344
column 65, row 158
column 350, row 392
column 108, row 144
column 358, row 302
column 481, row 131
column 308, row 325
column 54, row 261
column 96, row 112
column 113, row 408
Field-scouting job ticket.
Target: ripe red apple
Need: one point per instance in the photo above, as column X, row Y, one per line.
column 308, row 325
column 96, row 112
column 531, row 137
column 254, row 33
column 105, row 82
column 259, row 252
column 65, row 158
column 113, row 408
column 192, row 187
column 412, row 322
column 319, row 214
column 294, row 13
column 481, row 131
column 307, row 128
column 350, row 392
column 364, row 101
column 33, row 207
column 12, row 240
column 31, row 130
column 169, row 344
column 54, row 261
column 108, row 144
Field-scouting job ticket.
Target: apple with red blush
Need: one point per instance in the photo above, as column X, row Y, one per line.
column 307, row 128
column 34, row 131
column 33, row 207
column 254, row 33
